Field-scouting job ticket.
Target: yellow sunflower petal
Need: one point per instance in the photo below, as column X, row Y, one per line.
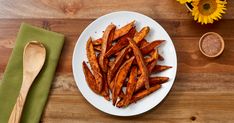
column 205, row 15
column 184, row 1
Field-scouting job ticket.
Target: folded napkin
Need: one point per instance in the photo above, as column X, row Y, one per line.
column 12, row 79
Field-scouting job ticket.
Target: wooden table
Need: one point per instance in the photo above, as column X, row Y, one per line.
column 204, row 88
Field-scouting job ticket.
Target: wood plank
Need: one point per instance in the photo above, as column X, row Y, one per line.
column 91, row 9
column 180, row 107
column 73, row 27
column 185, row 41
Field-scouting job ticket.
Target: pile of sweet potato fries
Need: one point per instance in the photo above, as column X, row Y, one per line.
column 123, row 58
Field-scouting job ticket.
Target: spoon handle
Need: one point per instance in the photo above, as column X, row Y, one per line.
column 18, row 108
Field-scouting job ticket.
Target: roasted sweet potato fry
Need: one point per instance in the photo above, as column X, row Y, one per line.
column 120, row 103
column 140, row 95
column 154, row 80
column 118, row 33
column 131, row 85
column 117, row 63
column 144, row 93
column 143, row 43
column 92, row 84
column 140, row 82
column 154, row 54
column 157, row 80
column 123, row 30
column 94, row 64
column 123, row 42
column 121, row 94
column 141, row 35
column 98, row 48
column 107, row 39
column 160, row 68
column 153, row 63
column 119, row 79
column 97, row 42
column 148, row 60
column 90, row 78
column 149, row 47
column 105, row 90
column 140, row 62
column 151, row 57
column 104, row 94
column 160, row 57
column 111, row 63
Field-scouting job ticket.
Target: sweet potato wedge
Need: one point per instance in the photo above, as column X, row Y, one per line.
column 131, row 85
column 151, row 57
column 105, row 91
column 97, row 42
column 141, row 35
column 90, row 78
column 153, row 81
column 111, row 63
column 160, row 57
column 117, row 63
column 123, row 42
column 148, row 60
column 154, row 54
column 151, row 46
column 157, row 80
column 121, row 94
column 98, row 48
column 107, row 39
column 143, row 43
column 118, row 33
column 123, row 30
column 120, row 77
column 140, row 82
column 144, row 93
column 92, row 84
column 160, row 68
column 152, row 63
column 94, row 64
column 140, row 62
column 140, row 95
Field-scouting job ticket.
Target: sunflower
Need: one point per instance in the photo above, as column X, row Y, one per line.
column 206, row 11
column 184, row 1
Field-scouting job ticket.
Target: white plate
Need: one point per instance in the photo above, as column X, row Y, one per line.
column 121, row 18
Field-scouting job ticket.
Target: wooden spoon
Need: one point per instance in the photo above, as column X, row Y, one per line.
column 33, row 60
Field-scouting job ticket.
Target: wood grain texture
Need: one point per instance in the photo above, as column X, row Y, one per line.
column 203, row 90
column 91, row 9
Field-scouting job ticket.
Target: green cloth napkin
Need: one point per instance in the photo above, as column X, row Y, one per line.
column 12, row 79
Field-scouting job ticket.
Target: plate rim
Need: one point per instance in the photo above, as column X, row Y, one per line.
column 124, row 12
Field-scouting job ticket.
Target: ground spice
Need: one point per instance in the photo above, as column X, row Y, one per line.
column 211, row 44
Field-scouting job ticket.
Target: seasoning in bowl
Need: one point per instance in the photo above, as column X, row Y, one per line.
column 211, row 44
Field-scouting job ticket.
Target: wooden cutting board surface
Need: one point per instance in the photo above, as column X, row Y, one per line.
column 203, row 91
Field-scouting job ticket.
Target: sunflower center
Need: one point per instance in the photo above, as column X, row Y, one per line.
column 207, row 7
